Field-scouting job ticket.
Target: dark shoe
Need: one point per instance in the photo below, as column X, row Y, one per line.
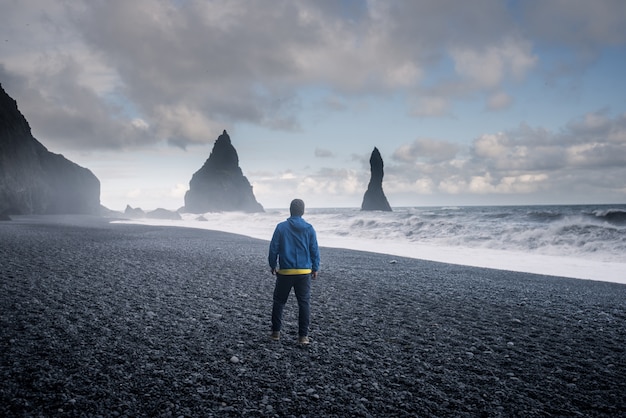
column 304, row 340
column 275, row 335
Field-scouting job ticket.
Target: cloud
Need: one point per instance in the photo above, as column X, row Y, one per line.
column 514, row 184
column 323, row 153
column 190, row 68
column 492, row 146
column 118, row 75
column 334, row 103
column 478, row 68
column 489, row 66
column 332, row 182
column 484, row 184
column 431, row 106
column 581, row 37
column 526, row 160
column 594, row 141
column 134, row 193
column 182, row 125
column 426, row 149
column 581, row 24
column 326, row 187
column 499, row 101
column 396, row 185
column 179, row 190
column 71, row 115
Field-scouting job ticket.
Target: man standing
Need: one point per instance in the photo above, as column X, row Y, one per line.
column 294, row 249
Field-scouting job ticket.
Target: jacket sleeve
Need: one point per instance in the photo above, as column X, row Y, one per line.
column 274, row 248
column 314, row 250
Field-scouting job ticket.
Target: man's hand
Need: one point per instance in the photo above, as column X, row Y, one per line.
column 314, row 274
column 273, row 272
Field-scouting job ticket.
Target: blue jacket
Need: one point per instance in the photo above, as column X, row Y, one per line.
column 294, row 247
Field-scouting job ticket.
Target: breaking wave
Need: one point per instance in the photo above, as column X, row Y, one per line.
column 581, row 241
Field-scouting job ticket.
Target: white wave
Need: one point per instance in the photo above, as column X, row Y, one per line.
column 450, row 235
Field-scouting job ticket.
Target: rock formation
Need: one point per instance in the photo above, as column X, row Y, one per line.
column 161, row 213
column 374, row 198
column 134, row 213
column 220, row 184
column 35, row 181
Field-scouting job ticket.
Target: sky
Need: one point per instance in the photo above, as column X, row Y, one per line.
column 479, row 102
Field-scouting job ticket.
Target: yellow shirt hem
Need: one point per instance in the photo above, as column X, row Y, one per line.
column 293, row 272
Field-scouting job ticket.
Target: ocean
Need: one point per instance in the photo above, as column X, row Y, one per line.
column 578, row 241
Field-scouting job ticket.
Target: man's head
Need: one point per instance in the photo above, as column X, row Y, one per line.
column 297, row 207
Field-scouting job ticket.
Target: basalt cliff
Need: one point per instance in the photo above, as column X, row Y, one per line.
column 220, row 184
column 34, row 180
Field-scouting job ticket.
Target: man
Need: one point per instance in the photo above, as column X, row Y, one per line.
column 294, row 249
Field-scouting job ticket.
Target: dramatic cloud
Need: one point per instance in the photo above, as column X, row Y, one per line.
column 331, row 182
column 596, row 142
column 523, row 161
column 427, row 150
column 581, row 23
column 332, row 79
column 188, row 68
column 489, row 67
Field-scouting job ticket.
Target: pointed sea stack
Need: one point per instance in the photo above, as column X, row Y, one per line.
column 374, row 198
column 33, row 180
column 220, row 184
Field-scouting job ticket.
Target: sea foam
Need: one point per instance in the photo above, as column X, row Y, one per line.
column 583, row 242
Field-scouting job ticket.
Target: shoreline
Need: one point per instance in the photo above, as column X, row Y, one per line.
column 134, row 320
column 549, row 265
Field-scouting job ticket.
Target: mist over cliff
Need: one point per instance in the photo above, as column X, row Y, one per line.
column 34, row 180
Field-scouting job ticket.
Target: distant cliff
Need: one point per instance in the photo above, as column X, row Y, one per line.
column 220, row 184
column 35, row 181
column 374, row 198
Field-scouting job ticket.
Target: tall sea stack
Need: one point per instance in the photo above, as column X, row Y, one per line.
column 374, row 198
column 220, row 184
column 33, row 180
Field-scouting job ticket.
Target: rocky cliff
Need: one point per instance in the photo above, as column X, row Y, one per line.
column 374, row 198
column 35, row 181
column 220, row 184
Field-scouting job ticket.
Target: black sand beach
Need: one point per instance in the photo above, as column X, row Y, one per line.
column 102, row 319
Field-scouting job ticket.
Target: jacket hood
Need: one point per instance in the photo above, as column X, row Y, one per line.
column 297, row 223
